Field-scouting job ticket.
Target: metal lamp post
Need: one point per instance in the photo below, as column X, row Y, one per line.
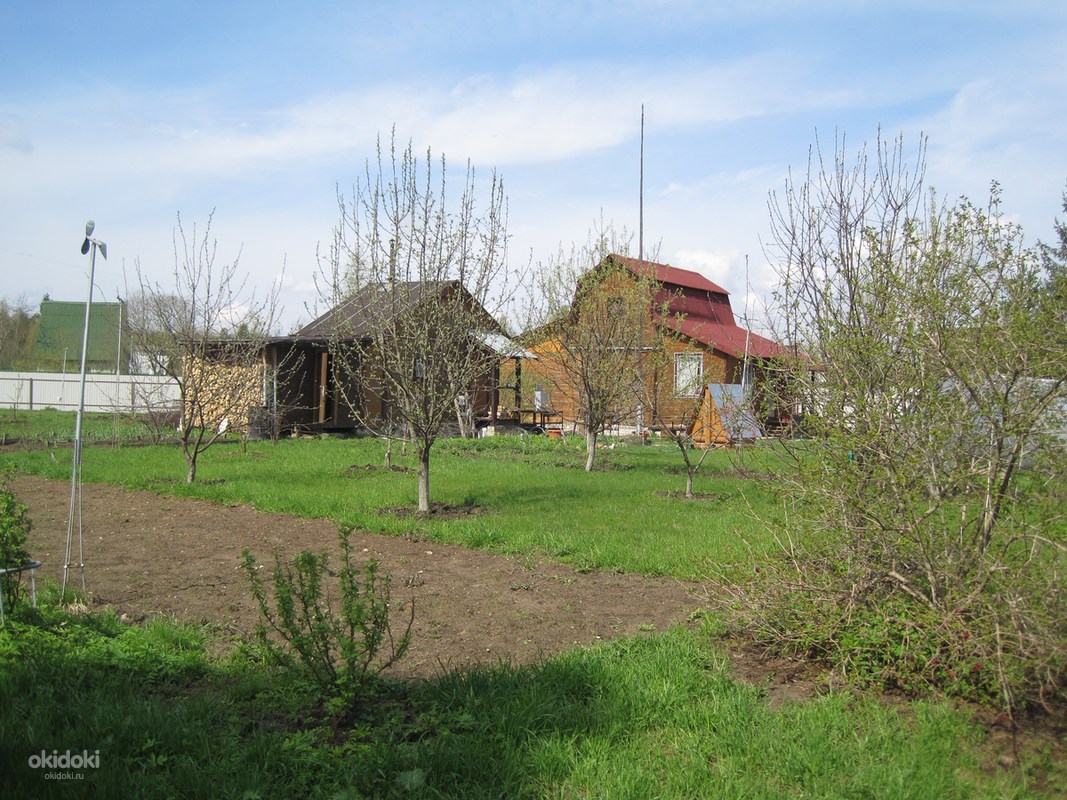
column 74, row 517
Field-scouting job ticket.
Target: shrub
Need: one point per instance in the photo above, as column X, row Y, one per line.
column 812, row 601
column 932, row 395
column 341, row 650
column 15, row 526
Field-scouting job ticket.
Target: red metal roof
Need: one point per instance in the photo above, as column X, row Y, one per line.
column 730, row 339
column 700, row 310
column 665, row 273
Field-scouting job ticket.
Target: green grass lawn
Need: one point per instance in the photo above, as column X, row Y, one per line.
column 50, row 426
column 531, row 495
column 657, row 717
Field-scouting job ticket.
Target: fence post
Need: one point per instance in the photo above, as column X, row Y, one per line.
column 31, row 394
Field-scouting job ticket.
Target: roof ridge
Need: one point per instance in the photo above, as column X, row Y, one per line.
column 669, row 274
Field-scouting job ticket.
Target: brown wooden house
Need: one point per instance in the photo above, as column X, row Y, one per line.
column 692, row 329
column 315, row 383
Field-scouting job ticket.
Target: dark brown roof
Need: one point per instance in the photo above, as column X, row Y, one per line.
column 374, row 305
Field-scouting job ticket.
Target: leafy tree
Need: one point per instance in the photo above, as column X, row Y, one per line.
column 416, row 275
column 183, row 330
column 673, row 427
column 926, row 491
column 1055, row 256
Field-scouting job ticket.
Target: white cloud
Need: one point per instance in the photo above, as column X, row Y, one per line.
column 528, row 117
column 559, row 118
column 1006, row 127
column 12, row 136
column 716, row 265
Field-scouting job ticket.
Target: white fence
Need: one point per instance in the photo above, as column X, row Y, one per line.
column 128, row 393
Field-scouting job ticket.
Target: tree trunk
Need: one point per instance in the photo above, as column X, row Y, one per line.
column 590, row 448
column 690, row 470
column 465, row 420
column 424, row 480
column 190, row 454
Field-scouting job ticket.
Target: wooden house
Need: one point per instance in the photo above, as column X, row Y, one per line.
column 313, row 379
column 692, row 341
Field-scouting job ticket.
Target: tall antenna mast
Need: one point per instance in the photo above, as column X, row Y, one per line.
column 641, row 197
column 641, row 268
column 748, row 333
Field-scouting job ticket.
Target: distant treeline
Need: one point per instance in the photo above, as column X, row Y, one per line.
column 18, row 331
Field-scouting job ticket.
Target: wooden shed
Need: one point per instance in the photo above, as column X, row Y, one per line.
column 724, row 417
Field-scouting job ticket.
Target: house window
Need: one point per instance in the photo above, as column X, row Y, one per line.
column 688, row 374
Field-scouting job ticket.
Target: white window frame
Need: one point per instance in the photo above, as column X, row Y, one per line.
column 688, row 374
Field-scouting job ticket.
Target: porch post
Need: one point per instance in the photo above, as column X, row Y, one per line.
column 518, row 383
column 323, row 387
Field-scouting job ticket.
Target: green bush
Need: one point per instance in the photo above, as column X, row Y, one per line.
column 342, row 650
column 15, row 526
column 877, row 635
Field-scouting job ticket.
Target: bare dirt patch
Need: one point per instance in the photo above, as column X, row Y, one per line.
column 439, row 511
column 357, row 469
column 149, row 555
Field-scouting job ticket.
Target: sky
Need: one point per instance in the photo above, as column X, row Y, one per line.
column 255, row 114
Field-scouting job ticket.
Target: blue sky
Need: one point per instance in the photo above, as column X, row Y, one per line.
column 131, row 112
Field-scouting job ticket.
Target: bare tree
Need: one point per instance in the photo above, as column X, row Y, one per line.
column 934, row 398
column 205, row 331
column 590, row 321
column 415, row 276
column 673, row 427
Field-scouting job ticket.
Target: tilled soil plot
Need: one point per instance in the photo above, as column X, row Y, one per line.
column 147, row 554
